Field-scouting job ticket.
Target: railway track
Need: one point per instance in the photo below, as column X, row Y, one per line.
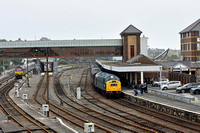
column 194, row 127
column 182, row 125
column 107, row 116
column 164, row 126
column 108, row 121
column 121, row 113
column 25, row 121
column 69, row 117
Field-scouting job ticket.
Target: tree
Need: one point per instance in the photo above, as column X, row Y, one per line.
column 17, row 61
column 62, row 62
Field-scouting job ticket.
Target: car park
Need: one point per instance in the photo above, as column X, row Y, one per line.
column 195, row 90
column 162, row 81
column 186, row 87
column 171, row 85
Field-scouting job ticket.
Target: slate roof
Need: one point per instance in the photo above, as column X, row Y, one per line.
column 131, row 30
column 142, row 59
column 193, row 27
column 169, row 64
column 62, row 43
column 133, row 59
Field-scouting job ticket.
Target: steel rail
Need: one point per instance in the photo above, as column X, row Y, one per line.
column 116, row 119
column 9, row 86
column 172, row 117
column 145, row 125
column 58, row 114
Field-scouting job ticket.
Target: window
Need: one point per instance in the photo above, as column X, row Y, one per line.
column 19, row 69
column 198, row 46
column 132, row 51
column 113, row 84
column 189, row 46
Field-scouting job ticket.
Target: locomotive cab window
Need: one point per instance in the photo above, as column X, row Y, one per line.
column 18, row 69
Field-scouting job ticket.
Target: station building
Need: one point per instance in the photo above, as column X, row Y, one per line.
column 135, row 67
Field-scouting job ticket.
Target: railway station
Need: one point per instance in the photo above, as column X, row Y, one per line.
column 73, row 99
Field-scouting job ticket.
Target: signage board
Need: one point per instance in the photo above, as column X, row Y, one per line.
column 45, row 107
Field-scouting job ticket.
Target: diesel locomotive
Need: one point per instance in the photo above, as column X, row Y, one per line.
column 22, row 70
column 106, row 83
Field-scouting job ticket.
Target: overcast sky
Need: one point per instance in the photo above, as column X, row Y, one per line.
column 159, row 20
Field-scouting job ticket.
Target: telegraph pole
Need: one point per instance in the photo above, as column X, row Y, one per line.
column 27, row 76
column 47, row 65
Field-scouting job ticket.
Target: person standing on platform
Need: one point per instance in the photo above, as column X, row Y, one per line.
column 145, row 88
column 142, row 87
column 135, row 92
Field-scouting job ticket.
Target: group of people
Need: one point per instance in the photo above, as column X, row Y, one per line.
column 142, row 87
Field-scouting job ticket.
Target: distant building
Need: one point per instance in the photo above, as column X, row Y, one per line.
column 143, row 45
column 190, row 42
column 44, row 39
column 3, row 40
column 153, row 52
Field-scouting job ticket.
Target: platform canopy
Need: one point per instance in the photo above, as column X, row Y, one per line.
column 139, row 63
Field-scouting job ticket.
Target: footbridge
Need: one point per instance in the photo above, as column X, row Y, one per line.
column 61, row 48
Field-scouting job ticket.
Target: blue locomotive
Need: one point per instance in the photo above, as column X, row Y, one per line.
column 105, row 83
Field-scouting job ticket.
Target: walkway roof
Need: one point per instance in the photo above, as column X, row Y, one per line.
column 62, row 43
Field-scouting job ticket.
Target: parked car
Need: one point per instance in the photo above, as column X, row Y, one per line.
column 162, row 81
column 171, row 85
column 186, row 87
column 195, row 90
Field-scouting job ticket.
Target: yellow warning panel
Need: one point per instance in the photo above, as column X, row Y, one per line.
column 50, row 73
column 42, row 74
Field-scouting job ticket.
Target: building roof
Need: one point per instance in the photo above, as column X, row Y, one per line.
column 193, row 27
column 141, row 59
column 125, row 67
column 61, row 43
column 171, row 64
column 131, row 30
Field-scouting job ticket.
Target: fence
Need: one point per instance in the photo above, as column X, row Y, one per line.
column 183, row 77
column 171, row 95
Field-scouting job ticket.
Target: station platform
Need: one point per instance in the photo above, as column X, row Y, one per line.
column 194, row 106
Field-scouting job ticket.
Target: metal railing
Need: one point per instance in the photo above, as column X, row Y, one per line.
column 171, row 95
